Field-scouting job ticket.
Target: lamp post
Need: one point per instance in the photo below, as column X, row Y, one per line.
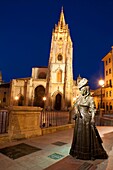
column 44, row 118
column 44, row 99
column 101, row 83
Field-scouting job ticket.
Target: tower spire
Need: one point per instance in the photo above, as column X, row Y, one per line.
column 62, row 18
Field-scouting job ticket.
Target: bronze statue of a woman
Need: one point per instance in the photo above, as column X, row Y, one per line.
column 87, row 143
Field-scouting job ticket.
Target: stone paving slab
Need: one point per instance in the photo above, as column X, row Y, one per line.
column 70, row 163
column 58, row 145
column 19, row 150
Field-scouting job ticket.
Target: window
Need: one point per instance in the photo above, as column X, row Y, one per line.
column 109, row 60
column 110, row 106
column 61, row 24
column 59, row 76
column 110, row 71
column 110, row 93
column 110, row 83
column 106, row 73
column 107, row 94
column 60, row 57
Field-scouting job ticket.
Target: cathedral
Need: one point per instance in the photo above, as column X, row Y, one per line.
column 52, row 87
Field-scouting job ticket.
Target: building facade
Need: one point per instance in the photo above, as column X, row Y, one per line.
column 106, row 93
column 54, row 82
column 108, row 78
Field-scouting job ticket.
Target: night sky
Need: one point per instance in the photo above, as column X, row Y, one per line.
column 26, row 30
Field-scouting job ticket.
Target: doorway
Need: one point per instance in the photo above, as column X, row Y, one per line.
column 58, row 102
column 38, row 98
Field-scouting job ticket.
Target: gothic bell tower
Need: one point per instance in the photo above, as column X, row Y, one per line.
column 60, row 73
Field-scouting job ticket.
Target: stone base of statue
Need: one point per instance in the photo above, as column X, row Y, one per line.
column 24, row 122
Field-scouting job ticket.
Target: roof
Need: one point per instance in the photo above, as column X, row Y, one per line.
column 5, row 85
column 40, row 67
column 109, row 53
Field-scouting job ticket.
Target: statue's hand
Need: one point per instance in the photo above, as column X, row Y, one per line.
column 74, row 117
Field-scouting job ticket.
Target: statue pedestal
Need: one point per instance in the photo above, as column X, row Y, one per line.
column 24, row 122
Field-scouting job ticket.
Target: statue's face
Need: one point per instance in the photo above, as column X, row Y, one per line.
column 83, row 91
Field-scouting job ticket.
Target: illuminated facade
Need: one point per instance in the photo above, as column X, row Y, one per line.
column 107, row 90
column 108, row 78
column 55, row 82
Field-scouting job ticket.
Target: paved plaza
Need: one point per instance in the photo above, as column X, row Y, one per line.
column 51, row 152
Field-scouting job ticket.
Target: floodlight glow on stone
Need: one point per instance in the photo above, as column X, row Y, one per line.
column 16, row 97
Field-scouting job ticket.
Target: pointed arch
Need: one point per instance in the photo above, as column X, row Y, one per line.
column 39, row 93
column 58, row 100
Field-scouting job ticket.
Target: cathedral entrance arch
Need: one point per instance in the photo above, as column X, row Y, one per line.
column 58, row 100
column 38, row 96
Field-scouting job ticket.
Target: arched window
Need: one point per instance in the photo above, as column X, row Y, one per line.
column 59, row 76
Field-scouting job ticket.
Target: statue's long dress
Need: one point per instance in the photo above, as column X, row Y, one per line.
column 87, row 143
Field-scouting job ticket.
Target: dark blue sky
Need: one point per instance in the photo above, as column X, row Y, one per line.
column 26, row 30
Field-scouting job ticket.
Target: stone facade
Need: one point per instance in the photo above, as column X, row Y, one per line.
column 60, row 73
column 107, row 90
column 55, row 82
column 108, row 79
column 4, row 95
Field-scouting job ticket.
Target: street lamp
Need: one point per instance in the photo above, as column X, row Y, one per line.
column 44, row 116
column 101, row 83
column 16, row 98
column 44, row 99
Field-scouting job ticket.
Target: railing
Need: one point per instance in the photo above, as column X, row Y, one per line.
column 104, row 118
column 108, row 115
column 3, row 121
column 106, row 121
column 54, row 118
